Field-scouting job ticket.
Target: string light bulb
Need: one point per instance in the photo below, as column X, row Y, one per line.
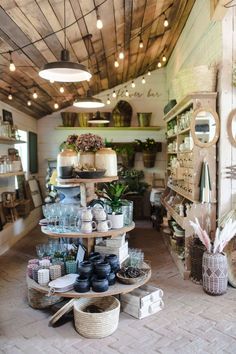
column 62, row 90
column 10, row 97
column 51, row 81
column 99, row 22
column 126, row 93
column 35, row 95
column 12, row 66
column 143, row 80
column 108, row 100
column 140, row 42
column 116, row 64
column 166, row 22
column 121, row 54
column 149, row 73
column 56, row 105
column 114, row 94
column 133, row 84
column 29, row 102
column 159, row 64
column 164, row 58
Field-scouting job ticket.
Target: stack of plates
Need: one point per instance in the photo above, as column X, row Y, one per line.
column 63, row 284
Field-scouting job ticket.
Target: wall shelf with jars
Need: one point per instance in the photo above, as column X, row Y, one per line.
column 192, row 132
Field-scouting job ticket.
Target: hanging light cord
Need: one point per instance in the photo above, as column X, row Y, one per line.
column 64, row 24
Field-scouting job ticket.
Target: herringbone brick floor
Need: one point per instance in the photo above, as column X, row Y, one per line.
column 191, row 322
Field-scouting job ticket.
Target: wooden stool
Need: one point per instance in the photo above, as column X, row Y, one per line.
column 10, row 203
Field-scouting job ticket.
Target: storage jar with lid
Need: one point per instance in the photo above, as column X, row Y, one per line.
column 106, row 159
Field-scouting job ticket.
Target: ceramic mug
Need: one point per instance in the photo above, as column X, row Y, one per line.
column 87, row 227
column 86, row 214
column 104, row 225
column 99, row 213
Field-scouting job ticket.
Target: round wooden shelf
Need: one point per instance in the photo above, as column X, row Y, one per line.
column 94, row 234
column 115, row 289
column 73, row 182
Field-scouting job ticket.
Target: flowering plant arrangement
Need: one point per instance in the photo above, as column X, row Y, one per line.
column 89, row 142
column 147, row 145
column 222, row 236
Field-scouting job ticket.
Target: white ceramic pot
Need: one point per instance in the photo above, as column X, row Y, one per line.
column 88, row 226
column 106, row 159
column 117, row 220
column 87, row 158
column 99, row 213
column 86, row 215
column 104, row 226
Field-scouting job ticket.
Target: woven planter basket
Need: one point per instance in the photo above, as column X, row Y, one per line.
column 196, row 251
column 214, row 273
column 39, row 300
column 97, row 325
column 149, row 159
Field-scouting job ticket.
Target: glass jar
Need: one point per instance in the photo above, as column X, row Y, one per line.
column 106, row 159
column 67, row 159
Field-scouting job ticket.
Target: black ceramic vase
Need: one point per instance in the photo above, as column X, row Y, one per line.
column 82, row 284
column 102, row 269
column 99, row 285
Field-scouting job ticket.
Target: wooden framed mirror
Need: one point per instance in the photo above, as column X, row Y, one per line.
column 231, row 127
column 205, row 127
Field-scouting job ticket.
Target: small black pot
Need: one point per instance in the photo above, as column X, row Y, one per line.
column 99, row 285
column 111, row 278
column 85, row 268
column 112, row 259
column 96, row 259
column 94, row 254
column 82, row 284
column 102, row 269
column 65, row 172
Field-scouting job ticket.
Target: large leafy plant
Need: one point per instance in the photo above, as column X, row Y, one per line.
column 113, row 193
column 147, row 145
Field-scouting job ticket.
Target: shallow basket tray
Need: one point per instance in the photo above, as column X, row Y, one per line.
column 128, row 281
column 97, row 325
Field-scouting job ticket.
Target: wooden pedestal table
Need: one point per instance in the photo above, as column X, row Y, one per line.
column 87, row 186
column 89, row 239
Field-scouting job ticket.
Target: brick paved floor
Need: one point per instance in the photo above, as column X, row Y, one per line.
column 191, row 322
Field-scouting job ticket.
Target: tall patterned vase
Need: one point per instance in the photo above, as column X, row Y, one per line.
column 214, row 273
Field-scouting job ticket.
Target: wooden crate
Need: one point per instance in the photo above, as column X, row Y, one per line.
column 142, row 302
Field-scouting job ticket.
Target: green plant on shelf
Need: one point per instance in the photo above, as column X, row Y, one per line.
column 134, row 179
column 113, row 193
column 147, row 145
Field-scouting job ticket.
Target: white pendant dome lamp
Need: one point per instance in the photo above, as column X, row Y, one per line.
column 65, row 70
column 88, row 102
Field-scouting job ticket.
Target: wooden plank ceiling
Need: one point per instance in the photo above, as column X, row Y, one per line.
column 23, row 22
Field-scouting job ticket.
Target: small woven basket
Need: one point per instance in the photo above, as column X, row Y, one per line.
column 214, row 273
column 196, row 251
column 39, row 300
column 97, row 325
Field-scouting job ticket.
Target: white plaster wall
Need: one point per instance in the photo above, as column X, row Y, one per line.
column 149, row 97
column 200, row 43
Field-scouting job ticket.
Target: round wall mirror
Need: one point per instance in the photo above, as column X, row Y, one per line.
column 231, row 127
column 205, row 127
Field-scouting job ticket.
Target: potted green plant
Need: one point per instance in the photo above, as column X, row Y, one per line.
column 112, row 193
column 149, row 150
column 127, row 153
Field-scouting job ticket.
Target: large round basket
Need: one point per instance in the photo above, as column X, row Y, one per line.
column 99, row 324
column 38, row 300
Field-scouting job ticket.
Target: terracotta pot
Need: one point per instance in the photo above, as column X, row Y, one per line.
column 68, row 119
column 214, row 273
column 149, row 159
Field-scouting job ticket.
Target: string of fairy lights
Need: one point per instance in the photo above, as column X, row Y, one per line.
column 119, row 56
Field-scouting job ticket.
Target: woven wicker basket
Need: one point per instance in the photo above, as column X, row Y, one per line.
column 214, row 273
column 196, row 251
column 39, row 300
column 97, row 325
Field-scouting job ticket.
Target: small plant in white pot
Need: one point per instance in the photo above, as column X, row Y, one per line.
column 112, row 193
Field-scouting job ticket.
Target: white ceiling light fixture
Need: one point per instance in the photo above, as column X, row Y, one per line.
column 97, row 119
column 88, row 102
column 65, row 70
column 12, row 66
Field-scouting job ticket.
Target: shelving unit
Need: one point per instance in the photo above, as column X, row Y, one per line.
column 10, row 141
column 11, row 174
column 109, row 128
column 183, row 188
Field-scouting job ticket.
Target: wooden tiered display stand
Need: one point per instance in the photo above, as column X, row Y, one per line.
column 185, row 181
column 89, row 239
